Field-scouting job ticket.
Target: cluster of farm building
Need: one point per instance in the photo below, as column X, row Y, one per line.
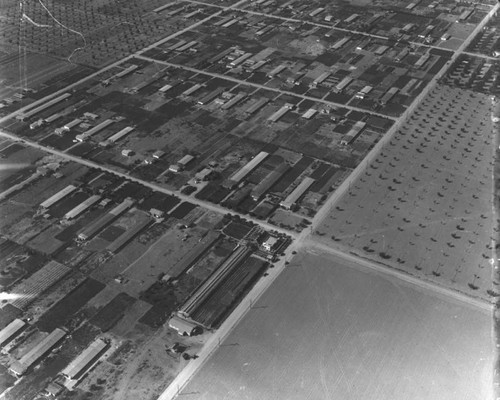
column 133, row 120
column 61, row 252
column 261, row 110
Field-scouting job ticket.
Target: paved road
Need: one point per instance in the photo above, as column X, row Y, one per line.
column 305, row 241
column 301, row 240
column 153, row 186
column 161, row 41
column 295, row 20
column 260, row 86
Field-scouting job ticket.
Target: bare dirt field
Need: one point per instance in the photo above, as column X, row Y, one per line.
column 424, row 204
column 327, row 330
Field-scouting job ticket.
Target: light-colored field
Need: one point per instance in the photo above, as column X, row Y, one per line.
column 328, row 330
column 424, row 205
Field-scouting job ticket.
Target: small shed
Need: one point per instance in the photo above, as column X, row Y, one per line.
column 183, row 326
column 270, row 243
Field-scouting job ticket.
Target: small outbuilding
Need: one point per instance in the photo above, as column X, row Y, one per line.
column 184, row 327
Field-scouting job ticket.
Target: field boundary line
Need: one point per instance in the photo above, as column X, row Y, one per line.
column 366, row 263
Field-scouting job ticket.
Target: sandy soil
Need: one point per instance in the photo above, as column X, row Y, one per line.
column 328, row 331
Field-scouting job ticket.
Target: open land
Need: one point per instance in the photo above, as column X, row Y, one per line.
column 354, row 334
column 165, row 159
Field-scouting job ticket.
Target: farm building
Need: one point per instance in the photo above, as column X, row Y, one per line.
column 381, row 50
column 223, row 20
column 126, row 71
column 351, row 18
column 266, row 184
column 309, row 113
column 192, row 89
column 355, row 131
column 276, row 71
column 264, row 30
column 52, row 118
column 203, row 175
column 210, row 96
column 269, row 244
column 233, row 101
column 278, row 114
column 11, row 331
column 82, row 207
column 402, row 54
column 158, row 154
column 19, row 367
column 177, row 45
column 466, row 14
column 230, row 23
column 239, row 175
column 181, row 164
column 127, row 236
column 389, row 95
column 91, row 230
column 316, row 11
column 258, row 65
column 363, row 92
column 203, row 291
column 117, row 136
column 29, row 289
column 422, row 60
column 165, row 88
column 343, row 84
column 239, row 60
column 256, row 106
column 187, row 46
column 237, row 198
column 92, row 131
column 84, row 361
column 409, row 86
column 44, row 106
column 340, row 43
column 72, row 124
column 220, row 55
column 321, row 78
column 58, row 196
column 183, row 326
column 297, row 193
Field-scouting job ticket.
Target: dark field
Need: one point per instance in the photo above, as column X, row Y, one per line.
column 182, row 210
column 112, row 312
column 66, row 308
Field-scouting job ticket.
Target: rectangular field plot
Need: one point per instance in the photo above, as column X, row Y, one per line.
column 112, row 312
column 64, row 310
column 326, row 330
column 28, row 290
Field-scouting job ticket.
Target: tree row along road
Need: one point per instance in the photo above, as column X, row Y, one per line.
column 260, row 86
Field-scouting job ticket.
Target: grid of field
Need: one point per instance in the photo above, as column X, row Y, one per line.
column 325, row 330
column 424, row 205
column 37, row 283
